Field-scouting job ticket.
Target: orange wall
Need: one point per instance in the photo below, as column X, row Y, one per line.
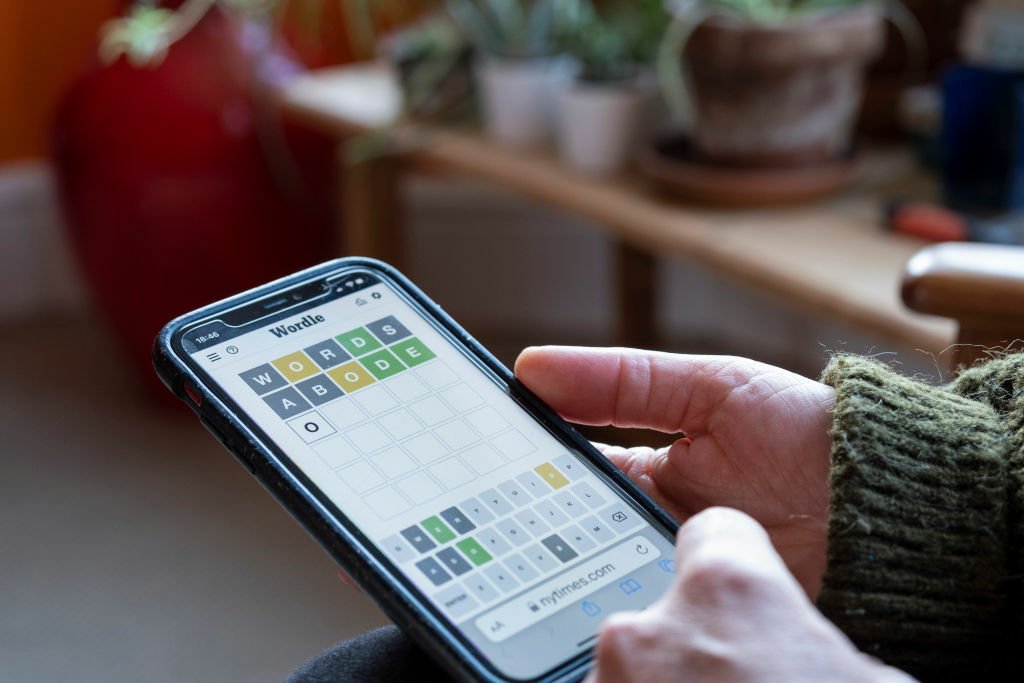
column 42, row 46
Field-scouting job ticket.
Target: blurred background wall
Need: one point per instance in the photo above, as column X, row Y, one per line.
column 42, row 46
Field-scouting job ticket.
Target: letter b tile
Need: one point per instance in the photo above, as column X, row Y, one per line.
column 319, row 389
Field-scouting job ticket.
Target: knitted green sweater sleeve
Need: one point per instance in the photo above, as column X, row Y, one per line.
column 925, row 526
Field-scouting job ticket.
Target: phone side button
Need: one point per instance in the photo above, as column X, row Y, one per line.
column 242, row 457
column 193, row 394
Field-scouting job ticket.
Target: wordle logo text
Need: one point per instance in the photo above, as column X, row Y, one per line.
column 337, row 366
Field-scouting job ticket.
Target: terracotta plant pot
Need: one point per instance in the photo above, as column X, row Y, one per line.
column 780, row 95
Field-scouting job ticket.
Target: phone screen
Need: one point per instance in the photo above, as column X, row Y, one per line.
column 506, row 531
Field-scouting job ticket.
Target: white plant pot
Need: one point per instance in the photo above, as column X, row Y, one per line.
column 600, row 126
column 517, row 98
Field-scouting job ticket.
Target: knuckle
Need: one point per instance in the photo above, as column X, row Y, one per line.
column 709, row 656
column 714, row 576
column 625, row 633
column 715, row 524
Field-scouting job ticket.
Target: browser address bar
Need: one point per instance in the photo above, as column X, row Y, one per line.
column 560, row 591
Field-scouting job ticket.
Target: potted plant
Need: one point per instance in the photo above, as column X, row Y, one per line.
column 519, row 65
column 177, row 183
column 602, row 115
column 773, row 83
column 433, row 64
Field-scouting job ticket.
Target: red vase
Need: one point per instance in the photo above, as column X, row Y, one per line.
column 178, row 186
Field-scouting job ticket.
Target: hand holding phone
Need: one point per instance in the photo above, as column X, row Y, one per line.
column 482, row 523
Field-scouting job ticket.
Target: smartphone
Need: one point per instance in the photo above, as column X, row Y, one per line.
column 483, row 524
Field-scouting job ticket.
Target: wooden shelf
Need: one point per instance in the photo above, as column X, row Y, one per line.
column 830, row 258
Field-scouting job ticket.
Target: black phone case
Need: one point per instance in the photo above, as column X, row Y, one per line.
column 342, row 542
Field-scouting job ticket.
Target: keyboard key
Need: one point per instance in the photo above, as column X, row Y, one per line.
column 569, row 504
column 438, row 529
column 541, row 558
column 570, row 466
column 433, row 571
column 515, row 492
column 523, row 570
column 512, row 531
column 474, row 551
column 585, row 492
column 532, row 522
column 598, row 529
column 550, row 513
column 481, row 589
column 397, row 549
column 418, row 539
column 496, row 502
column 457, row 520
column 477, row 511
column 456, row 601
column 493, row 541
column 551, row 476
column 559, row 548
column 501, row 577
column 578, row 538
column 619, row 518
column 454, row 562
column 533, row 483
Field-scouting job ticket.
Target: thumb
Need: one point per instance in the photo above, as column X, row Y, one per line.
column 724, row 556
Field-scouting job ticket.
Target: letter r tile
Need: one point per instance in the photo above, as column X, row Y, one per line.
column 327, row 354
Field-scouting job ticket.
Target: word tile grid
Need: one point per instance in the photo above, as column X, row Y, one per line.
column 394, row 421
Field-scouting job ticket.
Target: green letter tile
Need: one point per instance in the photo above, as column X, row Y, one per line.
column 359, row 341
column 438, row 529
column 474, row 551
column 382, row 364
column 412, row 352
